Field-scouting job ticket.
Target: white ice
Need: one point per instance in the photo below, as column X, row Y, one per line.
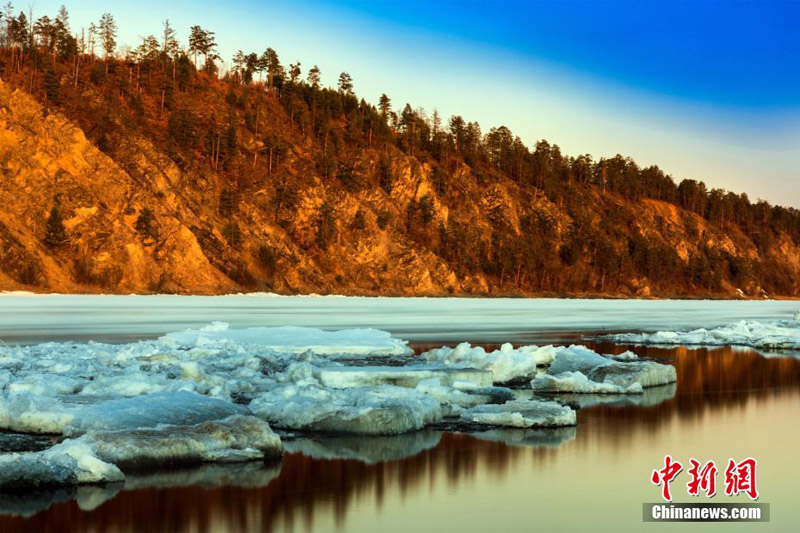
column 521, row 414
column 506, row 364
column 98, row 456
column 234, row 439
column 382, row 410
column 577, row 382
column 577, row 369
column 69, row 463
column 779, row 334
column 292, row 339
column 75, row 415
column 452, row 320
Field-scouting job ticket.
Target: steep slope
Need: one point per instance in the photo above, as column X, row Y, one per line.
column 162, row 195
column 46, row 159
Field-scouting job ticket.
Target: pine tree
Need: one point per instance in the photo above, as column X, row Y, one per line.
column 107, row 29
column 385, row 105
column 345, row 83
column 55, row 234
column 51, row 86
column 314, row 77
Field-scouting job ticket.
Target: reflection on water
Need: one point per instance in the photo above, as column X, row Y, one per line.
column 727, row 403
column 369, row 450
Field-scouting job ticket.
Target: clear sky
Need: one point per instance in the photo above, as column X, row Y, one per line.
column 706, row 90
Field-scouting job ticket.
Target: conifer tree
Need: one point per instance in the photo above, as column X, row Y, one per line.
column 55, row 234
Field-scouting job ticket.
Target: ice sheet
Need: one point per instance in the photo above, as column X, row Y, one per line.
column 778, row 334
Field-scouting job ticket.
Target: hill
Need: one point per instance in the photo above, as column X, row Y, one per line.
column 154, row 172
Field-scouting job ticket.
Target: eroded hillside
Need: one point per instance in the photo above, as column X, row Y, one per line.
column 150, row 176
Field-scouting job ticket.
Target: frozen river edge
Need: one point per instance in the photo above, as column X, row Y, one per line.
column 216, row 394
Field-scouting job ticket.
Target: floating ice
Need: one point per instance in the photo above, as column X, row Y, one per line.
column 779, row 334
column 507, row 364
column 97, row 456
column 77, row 414
column 578, row 369
column 650, row 397
column 291, row 339
column 295, row 378
column 235, row 439
column 382, row 410
column 521, row 414
column 70, row 463
column 151, row 410
column 578, row 382
column 408, row 376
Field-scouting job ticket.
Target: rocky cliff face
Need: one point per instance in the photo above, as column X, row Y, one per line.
column 137, row 222
column 46, row 159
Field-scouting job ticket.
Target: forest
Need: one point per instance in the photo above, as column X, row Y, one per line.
column 255, row 123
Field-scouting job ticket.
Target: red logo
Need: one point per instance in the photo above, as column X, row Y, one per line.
column 739, row 477
column 665, row 476
column 703, row 478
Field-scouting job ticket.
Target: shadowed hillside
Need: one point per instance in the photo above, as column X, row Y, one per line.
column 152, row 171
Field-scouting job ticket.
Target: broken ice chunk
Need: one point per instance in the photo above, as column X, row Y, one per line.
column 151, row 410
column 70, row 463
column 382, row 410
column 773, row 334
column 577, row 382
column 506, row 364
column 521, row 414
column 571, row 365
column 292, row 339
column 233, row 439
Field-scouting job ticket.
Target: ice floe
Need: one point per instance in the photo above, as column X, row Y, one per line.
column 101, row 456
column 577, row 369
column 381, row 410
column 75, row 415
column 778, row 334
column 291, row 339
column 506, row 364
column 520, row 414
column 69, row 463
column 214, row 394
column 234, row 439
column 578, row 382
column 90, row 497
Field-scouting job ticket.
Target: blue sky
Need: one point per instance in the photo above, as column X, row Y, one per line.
column 706, row 90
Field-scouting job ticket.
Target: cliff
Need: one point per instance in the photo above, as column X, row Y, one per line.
column 225, row 187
